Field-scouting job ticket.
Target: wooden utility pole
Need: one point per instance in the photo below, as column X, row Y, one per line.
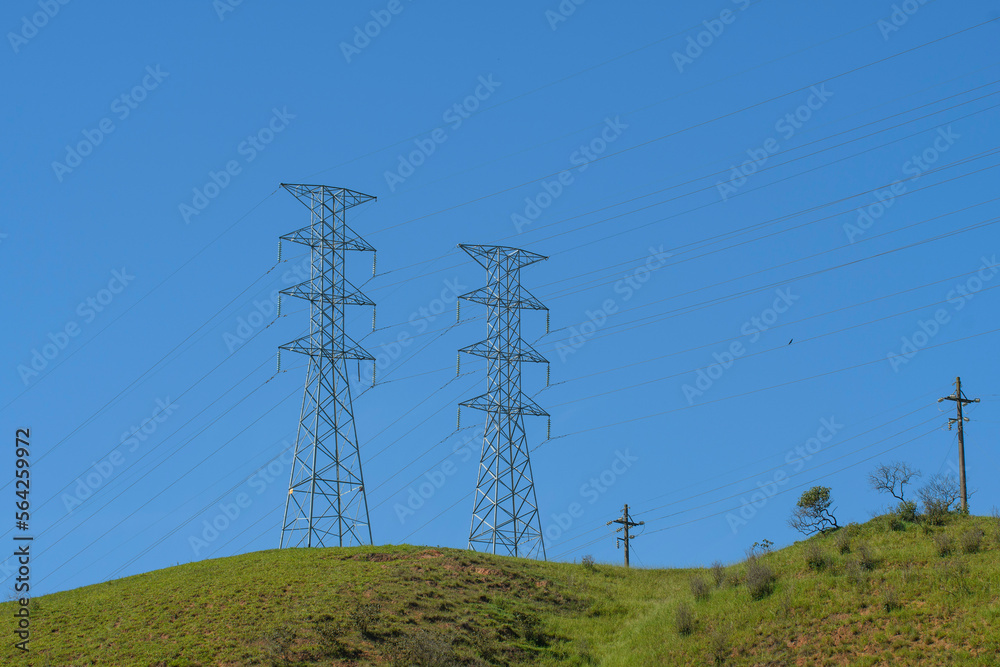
column 627, row 523
column 960, row 400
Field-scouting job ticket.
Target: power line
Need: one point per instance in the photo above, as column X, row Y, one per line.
column 136, row 303
column 757, row 353
column 742, row 468
column 688, row 170
column 810, row 274
column 760, row 389
column 696, row 125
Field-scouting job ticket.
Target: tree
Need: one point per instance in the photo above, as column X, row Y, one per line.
column 892, row 478
column 940, row 496
column 812, row 513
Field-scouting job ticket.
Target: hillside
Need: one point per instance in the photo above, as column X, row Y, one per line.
column 876, row 594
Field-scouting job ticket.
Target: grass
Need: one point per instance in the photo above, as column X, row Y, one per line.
column 896, row 602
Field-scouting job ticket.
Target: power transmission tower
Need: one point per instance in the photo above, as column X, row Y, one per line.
column 627, row 523
column 326, row 503
column 505, row 515
column 960, row 401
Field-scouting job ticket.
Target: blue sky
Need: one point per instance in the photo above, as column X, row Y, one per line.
column 770, row 229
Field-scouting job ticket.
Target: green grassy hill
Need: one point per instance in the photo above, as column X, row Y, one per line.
column 883, row 593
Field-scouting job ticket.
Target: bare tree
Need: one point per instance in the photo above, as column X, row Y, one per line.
column 812, row 513
column 892, row 478
column 940, row 495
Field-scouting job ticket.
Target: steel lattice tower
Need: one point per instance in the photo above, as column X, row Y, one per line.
column 326, row 503
column 505, row 516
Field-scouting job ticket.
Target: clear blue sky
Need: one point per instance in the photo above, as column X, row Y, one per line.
column 143, row 150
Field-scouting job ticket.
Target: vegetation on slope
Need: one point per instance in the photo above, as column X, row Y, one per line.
column 888, row 592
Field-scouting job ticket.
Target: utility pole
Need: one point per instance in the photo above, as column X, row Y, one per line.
column 627, row 523
column 960, row 400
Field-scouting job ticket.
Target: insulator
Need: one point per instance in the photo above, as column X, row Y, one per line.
column 546, row 322
column 373, row 318
column 279, row 250
column 548, row 373
column 279, row 305
column 374, row 366
column 458, row 310
column 279, row 359
column 458, row 420
column 458, row 365
column 359, row 370
column 374, row 257
column 548, row 431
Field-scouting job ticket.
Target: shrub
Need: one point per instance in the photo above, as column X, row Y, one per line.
column 956, row 578
column 588, row 562
column 425, row 647
column 857, row 574
column 943, row 544
column 972, row 540
column 940, row 498
column 718, row 573
column 843, row 541
column 719, row 644
column 530, row 627
column 894, row 522
column 366, row 616
column 906, row 510
column 816, row 558
column 330, row 633
column 699, row 588
column 890, row 599
column 865, row 557
column 760, row 579
column 684, row 619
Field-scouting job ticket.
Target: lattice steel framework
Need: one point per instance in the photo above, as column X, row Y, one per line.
column 326, row 503
column 505, row 516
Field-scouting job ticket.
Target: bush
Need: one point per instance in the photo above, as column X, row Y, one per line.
column 588, row 562
column 530, row 627
column 816, row 558
column 943, row 544
column 843, row 541
column 890, row 599
column 972, row 540
column 907, row 511
column 956, row 578
column 865, row 557
column 719, row 644
column 699, row 589
column 857, row 574
column 366, row 616
column 684, row 619
column 426, row 647
column 936, row 514
column 940, row 498
column 760, row 579
column 718, row 573
column 330, row 633
column 894, row 522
